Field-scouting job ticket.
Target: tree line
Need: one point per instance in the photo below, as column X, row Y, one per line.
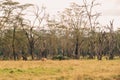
column 74, row 33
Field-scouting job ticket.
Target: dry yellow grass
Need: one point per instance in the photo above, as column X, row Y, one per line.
column 60, row 70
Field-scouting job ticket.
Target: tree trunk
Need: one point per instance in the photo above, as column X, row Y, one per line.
column 13, row 45
column 24, row 55
column 111, row 56
column 31, row 52
column 111, row 49
column 99, row 56
column 76, row 49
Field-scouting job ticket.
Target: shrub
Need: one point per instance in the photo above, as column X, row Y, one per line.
column 60, row 57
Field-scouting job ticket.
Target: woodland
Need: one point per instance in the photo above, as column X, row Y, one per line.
column 74, row 33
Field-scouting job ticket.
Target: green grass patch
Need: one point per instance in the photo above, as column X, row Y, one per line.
column 36, row 71
column 11, row 71
column 43, row 70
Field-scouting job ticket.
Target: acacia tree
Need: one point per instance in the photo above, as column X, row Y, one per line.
column 33, row 28
column 112, row 40
column 80, row 18
column 118, row 42
column 7, row 8
column 100, row 44
column 53, row 36
column 92, row 21
column 11, row 13
column 73, row 18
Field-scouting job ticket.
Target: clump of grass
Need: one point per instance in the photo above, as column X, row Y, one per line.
column 71, row 68
column 117, row 77
column 78, row 77
column 104, row 78
column 62, row 78
column 87, row 77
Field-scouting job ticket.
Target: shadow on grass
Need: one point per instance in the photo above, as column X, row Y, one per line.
column 117, row 77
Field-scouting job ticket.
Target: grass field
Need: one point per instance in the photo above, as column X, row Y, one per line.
column 60, row 70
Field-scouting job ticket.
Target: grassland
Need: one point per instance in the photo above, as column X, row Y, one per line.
column 60, row 70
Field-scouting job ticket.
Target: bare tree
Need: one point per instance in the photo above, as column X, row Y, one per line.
column 33, row 27
column 92, row 21
column 111, row 39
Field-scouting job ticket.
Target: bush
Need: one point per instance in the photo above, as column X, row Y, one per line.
column 60, row 57
column 1, row 53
